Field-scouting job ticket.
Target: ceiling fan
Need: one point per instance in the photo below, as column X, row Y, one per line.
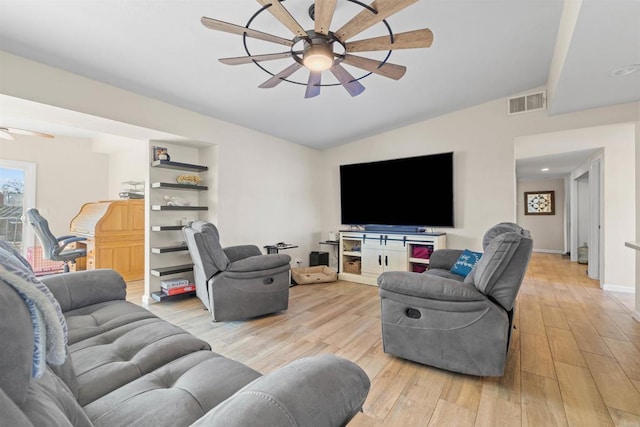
column 6, row 133
column 320, row 49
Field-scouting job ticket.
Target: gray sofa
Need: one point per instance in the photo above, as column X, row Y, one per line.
column 461, row 324
column 123, row 366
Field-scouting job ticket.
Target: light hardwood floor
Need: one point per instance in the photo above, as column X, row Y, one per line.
column 574, row 356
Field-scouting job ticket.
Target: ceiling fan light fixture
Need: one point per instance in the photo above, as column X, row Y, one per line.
column 318, row 57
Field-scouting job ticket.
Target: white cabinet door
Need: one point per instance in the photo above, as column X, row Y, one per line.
column 372, row 261
column 394, row 260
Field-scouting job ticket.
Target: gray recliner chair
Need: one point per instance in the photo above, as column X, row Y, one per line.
column 237, row 282
column 462, row 324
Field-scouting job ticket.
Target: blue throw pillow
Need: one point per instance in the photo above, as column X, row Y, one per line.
column 465, row 263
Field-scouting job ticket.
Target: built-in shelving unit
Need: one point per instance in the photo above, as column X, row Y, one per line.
column 165, row 249
column 178, row 208
column 166, row 227
column 168, row 254
column 161, row 297
column 174, row 269
column 179, row 186
column 167, row 164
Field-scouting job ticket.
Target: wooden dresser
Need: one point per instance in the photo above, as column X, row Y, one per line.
column 115, row 236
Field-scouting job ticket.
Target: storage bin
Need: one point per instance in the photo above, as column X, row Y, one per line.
column 352, row 267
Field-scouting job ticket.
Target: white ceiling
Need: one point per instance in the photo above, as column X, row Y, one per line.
column 558, row 165
column 482, row 50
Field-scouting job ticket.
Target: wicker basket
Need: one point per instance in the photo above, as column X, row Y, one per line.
column 352, row 267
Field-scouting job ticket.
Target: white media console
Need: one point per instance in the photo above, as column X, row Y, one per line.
column 364, row 255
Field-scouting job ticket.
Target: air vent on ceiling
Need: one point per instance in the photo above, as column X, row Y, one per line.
column 526, row 103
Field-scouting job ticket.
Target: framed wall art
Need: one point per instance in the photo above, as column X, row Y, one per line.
column 539, row 203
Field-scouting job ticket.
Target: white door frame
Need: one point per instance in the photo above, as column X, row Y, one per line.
column 29, row 197
column 595, row 230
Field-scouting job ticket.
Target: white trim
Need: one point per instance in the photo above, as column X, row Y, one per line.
column 616, row 288
column 636, row 315
column 549, row 251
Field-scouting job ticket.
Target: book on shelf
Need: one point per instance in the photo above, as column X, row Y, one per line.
column 179, row 290
column 173, row 283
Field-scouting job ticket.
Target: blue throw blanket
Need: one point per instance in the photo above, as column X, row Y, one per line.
column 49, row 325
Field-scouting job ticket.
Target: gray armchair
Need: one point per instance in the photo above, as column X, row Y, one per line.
column 451, row 322
column 237, row 282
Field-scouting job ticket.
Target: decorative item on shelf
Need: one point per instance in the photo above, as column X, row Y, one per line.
column 185, row 221
column 189, row 179
column 176, row 201
column 160, row 153
column 131, row 190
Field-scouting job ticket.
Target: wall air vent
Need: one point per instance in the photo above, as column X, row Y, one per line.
column 527, row 103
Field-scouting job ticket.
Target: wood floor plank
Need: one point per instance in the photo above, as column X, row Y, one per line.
column 624, row 419
column 450, row 414
column 564, row 347
column 536, row 356
column 616, row 388
column 588, row 338
column 627, row 355
column 387, row 386
column 553, row 316
column 541, row 402
column 581, row 399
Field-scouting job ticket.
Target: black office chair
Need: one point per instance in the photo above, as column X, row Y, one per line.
column 52, row 246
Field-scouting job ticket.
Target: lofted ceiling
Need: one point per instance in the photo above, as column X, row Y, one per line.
column 482, row 50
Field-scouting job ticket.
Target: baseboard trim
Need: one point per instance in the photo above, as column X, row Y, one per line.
column 549, row 251
column 616, row 288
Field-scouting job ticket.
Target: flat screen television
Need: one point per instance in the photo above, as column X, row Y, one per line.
column 412, row 191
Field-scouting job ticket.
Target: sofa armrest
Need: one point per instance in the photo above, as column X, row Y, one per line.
column 428, row 286
column 315, row 391
column 259, row 263
column 444, row 258
column 83, row 288
column 235, row 253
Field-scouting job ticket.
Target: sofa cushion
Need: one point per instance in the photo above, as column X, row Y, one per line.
column 95, row 319
column 51, row 403
column 175, row 395
column 107, row 361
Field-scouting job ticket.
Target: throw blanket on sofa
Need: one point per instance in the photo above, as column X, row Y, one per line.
column 49, row 326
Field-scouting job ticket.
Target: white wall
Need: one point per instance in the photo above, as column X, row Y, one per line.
column 619, row 176
column 68, row 175
column 268, row 187
column 126, row 157
column 637, row 238
column 547, row 231
column 482, row 139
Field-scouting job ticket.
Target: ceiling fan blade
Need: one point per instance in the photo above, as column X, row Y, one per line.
column 323, row 15
column 214, row 24
column 366, row 18
column 388, row 69
column 409, row 40
column 6, row 135
column 283, row 15
column 278, row 78
column 347, row 80
column 257, row 58
column 313, row 86
column 27, row 132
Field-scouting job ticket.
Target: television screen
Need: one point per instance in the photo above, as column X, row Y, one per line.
column 413, row 191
